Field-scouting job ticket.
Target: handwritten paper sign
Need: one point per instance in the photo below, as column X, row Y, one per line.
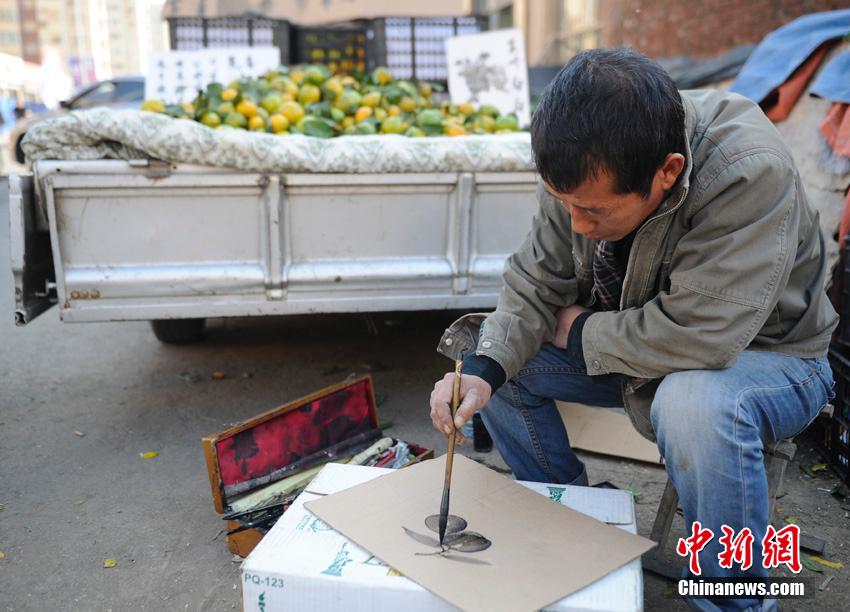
column 490, row 68
column 176, row 76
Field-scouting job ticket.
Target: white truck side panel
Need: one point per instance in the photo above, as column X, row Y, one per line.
column 131, row 241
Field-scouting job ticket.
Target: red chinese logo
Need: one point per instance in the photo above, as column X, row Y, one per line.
column 782, row 547
column 737, row 549
column 694, row 544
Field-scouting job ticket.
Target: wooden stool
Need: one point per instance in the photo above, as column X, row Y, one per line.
column 776, row 458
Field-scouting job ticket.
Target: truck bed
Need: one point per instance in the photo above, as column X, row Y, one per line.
column 141, row 240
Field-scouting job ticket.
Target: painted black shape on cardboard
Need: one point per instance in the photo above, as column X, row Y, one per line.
column 457, row 540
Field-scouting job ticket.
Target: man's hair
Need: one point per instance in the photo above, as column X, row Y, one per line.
column 607, row 110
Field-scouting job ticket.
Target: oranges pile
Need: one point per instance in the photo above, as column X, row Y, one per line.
column 314, row 101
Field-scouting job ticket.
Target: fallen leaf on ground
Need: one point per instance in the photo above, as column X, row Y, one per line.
column 2, row 507
column 218, row 376
column 817, row 467
column 810, row 565
column 791, row 520
column 79, row 502
column 79, row 434
column 632, row 490
column 833, row 564
column 149, row 455
column 2, row 555
column 110, row 563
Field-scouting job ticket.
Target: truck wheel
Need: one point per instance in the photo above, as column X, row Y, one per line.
column 20, row 157
column 178, row 331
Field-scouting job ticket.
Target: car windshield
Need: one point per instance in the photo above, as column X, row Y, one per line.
column 129, row 91
column 110, row 92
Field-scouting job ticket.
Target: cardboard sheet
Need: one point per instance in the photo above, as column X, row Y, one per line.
column 541, row 551
column 607, row 431
column 303, row 564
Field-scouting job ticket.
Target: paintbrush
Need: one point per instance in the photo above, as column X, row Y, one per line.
column 450, row 454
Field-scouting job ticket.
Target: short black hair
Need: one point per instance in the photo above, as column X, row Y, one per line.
column 607, row 110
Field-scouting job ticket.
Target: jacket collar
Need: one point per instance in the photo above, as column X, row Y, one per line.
column 679, row 192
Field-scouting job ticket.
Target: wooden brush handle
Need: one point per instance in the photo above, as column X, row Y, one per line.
column 455, row 403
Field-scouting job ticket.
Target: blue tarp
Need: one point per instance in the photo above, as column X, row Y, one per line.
column 783, row 50
column 833, row 83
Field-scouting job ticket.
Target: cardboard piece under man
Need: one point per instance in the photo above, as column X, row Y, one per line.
column 676, row 268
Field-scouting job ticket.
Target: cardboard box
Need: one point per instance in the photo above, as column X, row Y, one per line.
column 303, row 564
column 607, row 431
column 245, row 457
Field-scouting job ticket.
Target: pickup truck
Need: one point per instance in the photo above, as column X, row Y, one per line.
column 175, row 244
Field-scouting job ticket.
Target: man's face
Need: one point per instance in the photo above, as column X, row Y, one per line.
column 598, row 212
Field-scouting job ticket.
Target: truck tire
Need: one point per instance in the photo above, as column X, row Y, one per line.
column 178, row 331
column 20, row 157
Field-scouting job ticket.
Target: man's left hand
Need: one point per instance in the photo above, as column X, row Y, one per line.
column 566, row 316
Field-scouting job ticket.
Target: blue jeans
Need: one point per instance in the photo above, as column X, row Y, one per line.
column 711, row 427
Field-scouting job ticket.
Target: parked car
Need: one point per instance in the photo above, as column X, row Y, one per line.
column 120, row 92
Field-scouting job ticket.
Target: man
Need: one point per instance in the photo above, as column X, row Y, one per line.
column 674, row 268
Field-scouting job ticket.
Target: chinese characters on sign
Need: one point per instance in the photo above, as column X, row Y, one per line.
column 176, row 76
column 779, row 547
column 490, row 69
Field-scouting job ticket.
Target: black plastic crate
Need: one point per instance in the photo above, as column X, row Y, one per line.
column 834, row 433
column 842, row 276
column 342, row 47
column 188, row 33
column 411, row 47
column 414, row 47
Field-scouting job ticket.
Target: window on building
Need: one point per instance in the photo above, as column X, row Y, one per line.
column 505, row 17
column 581, row 27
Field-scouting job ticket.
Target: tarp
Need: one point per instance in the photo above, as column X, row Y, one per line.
column 833, row 83
column 690, row 73
column 783, row 50
column 102, row 133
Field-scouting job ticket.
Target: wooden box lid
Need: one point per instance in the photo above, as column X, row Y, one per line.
column 272, row 440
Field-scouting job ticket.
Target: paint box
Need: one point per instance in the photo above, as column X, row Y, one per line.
column 256, row 449
column 303, row 564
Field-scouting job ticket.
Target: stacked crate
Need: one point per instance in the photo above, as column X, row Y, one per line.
column 833, row 434
column 411, row 47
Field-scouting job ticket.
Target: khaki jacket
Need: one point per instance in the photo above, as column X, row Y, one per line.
column 733, row 259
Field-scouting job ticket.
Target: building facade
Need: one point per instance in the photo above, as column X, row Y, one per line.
column 556, row 29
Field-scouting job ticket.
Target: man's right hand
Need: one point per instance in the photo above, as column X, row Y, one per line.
column 474, row 394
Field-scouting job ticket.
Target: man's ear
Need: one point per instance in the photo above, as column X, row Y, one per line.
column 670, row 170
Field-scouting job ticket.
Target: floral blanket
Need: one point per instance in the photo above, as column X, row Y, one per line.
column 128, row 134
